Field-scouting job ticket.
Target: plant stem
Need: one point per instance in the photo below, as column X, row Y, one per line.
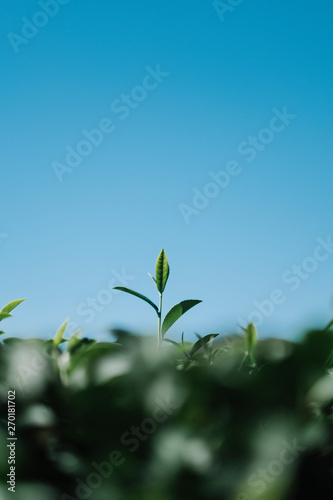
column 159, row 322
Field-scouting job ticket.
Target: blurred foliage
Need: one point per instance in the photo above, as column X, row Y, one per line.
column 231, row 418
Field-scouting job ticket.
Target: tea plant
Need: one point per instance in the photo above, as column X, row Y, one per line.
column 118, row 420
column 162, row 271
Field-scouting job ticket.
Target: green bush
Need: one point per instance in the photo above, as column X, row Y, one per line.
column 231, row 418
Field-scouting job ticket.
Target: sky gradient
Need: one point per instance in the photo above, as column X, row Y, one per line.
column 132, row 126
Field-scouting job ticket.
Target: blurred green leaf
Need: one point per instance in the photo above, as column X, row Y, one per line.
column 172, row 342
column 250, row 338
column 4, row 315
column 329, row 326
column 11, row 305
column 58, row 336
column 202, row 342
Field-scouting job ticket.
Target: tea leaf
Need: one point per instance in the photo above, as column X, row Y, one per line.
column 152, row 277
column 329, row 326
column 4, row 315
column 58, row 336
column 162, row 271
column 250, row 338
column 202, row 342
column 172, row 342
column 137, row 294
column 9, row 307
column 176, row 312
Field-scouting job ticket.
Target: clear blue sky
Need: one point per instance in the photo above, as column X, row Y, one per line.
column 181, row 92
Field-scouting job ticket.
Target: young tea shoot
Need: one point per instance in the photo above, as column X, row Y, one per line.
column 5, row 311
column 162, row 271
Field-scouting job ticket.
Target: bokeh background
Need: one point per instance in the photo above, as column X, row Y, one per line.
column 63, row 239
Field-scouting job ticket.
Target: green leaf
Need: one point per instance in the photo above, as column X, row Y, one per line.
column 74, row 338
column 250, row 338
column 13, row 341
column 9, row 307
column 202, row 342
column 162, row 271
column 4, row 315
column 136, row 294
column 58, row 336
column 172, row 342
column 152, row 277
column 176, row 312
column 330, row 324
